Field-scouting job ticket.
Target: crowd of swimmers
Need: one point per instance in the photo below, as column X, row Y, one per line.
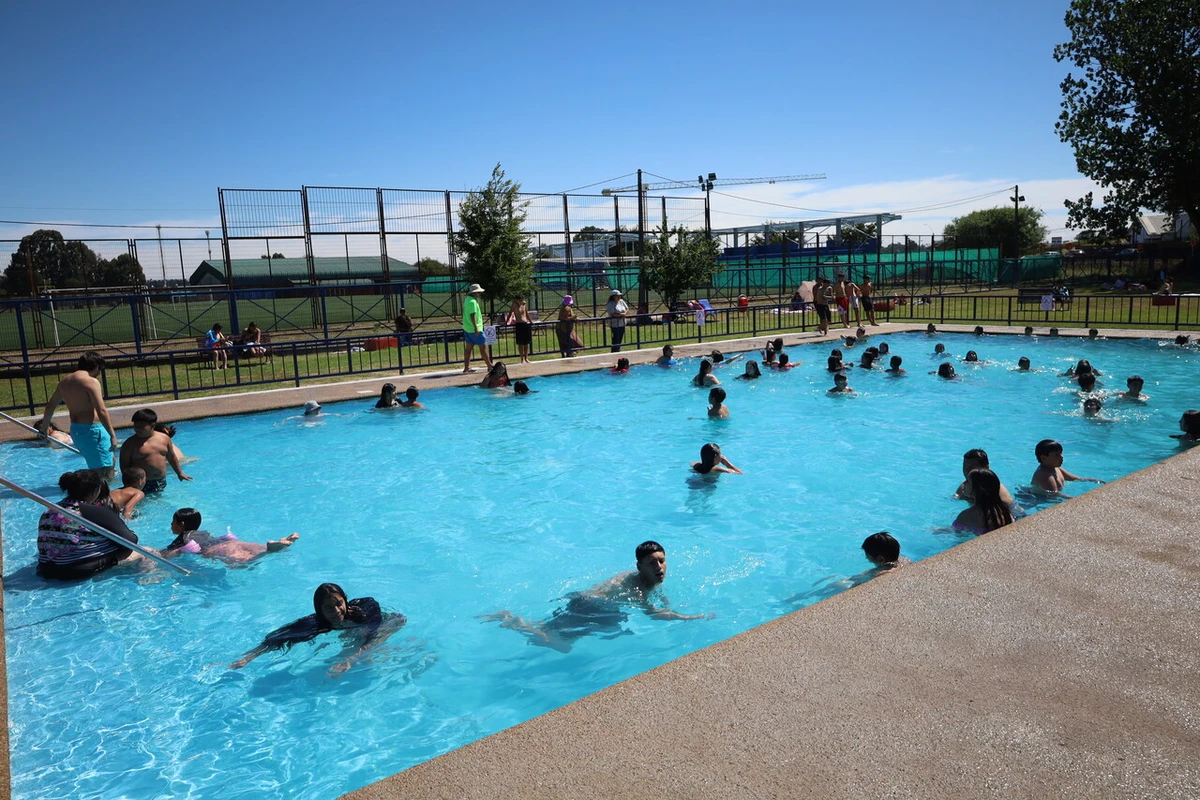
column 69, row 550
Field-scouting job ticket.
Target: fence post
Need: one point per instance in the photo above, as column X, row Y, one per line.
column 446, row 342
column 1131, row 309
column 295, row 366
column 174, row 377
column 137, row 326
column 350, row 356
column 324, row 313
column 25, row 359
column 1010, row 301
column 942, row 307
column 400, row 357
column 1087, row 310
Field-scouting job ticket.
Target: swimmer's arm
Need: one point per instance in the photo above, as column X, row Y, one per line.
column 1067, row 476
column 253, row 654
column 173, row 460
column 138, row 496
column 126, row 458
column 667, row 614
column 54, row 402
column 962, row 492
column 378, row 635
column 731, row 467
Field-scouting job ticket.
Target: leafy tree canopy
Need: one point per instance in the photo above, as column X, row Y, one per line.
column 490, row 239
column 855, row 235
column 589, row 233
column 432, row 268
column 61, row 264
column 993, row 227
column 678, row 260
column 1132, row 114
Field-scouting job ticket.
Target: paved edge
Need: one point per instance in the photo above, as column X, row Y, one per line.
column 291, row 397
column 1055, row 658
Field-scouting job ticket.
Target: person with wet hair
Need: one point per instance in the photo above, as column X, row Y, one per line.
column 68, row 550
column 705, row 378
column 752, row 372
column 946, row 371
column 1189, row 423
column 712, row 461
column 988, row 511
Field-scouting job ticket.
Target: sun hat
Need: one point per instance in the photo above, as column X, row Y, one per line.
column 615, row 293
column 568, row 300
column 311, row 407
column 475, row 288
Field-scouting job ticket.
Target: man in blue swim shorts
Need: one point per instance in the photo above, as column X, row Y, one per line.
column 473, row 328
column 91, row 427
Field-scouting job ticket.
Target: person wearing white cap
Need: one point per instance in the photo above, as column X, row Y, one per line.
column 473, row 328
column 312, row 408
column 617, row 309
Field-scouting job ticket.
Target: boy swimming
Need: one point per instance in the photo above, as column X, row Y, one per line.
column 1050, row 475
column 716, row 399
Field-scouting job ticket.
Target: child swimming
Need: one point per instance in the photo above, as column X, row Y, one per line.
column 1049, row 475
column 711, row 461
column 716, row 400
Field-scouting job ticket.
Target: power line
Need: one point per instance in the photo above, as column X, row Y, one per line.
column 590, row 185
column 97, row 225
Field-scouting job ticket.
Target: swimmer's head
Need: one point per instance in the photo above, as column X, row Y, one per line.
column 622, row 363
column 133, row 477
column 884, row 349
column 851, row 341
column 860, row 332
column 388, row 389
column 1092, row 406
column 498, row 370
column 411, row 393
column 717, row 356
column 1083, row 366
column 716, row 395
column 668, row 351
column 187, row 519
column 1054, row 331
column 1135, row 383
column 971, row 356
column 1023, row 363
column 520, row 387
column 651, row 561
column 144, row 421
column 973, row 460
column 82, row 484
column 777, row 343
column 835, row 353
column 1047, row 448
column 1029, row 330
column 895, row 362
column 169, row 430
column 985, row 487
column 1087, row 381
column 931, row 328
column 1093, row 333
column 752, row 370
column 834, row 364
column 330, row 605
column 840, row 380
column 1189, row 423
column 783, row 359
column 91, row 362
column 868, row 358
column 979, row 330
column 311, row 408
column 710, row 456
column 939, row 348
column 881, row 548
column 705, row 366
column 946, row 370
column 1181, row 340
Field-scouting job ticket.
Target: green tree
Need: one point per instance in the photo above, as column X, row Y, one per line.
column 56, row 263
column 678, row 260
column 859, row 234
column 1133, row 114
column 124, row 270
column 432, row 268
column 993, row 227
column 490, row 239
column 589, row 233
column 272, row 257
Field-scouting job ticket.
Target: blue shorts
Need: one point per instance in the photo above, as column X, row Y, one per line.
column 473, row 338
column 93, row 443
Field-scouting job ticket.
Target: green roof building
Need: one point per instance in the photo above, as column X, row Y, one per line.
column 282, row 272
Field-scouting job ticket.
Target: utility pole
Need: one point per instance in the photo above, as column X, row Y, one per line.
column 161, row 258
column 1016, row 198
column 643, row 290
column 706, row 184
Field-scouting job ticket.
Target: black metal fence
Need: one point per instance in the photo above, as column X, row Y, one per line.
column 176, row 372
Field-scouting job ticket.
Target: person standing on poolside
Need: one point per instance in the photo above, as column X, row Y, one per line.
column 150, row 451
column 522, row 328
column 91, row 427
column 473, row 328
column 617, row 309
column 866, row 295
column 841, row 296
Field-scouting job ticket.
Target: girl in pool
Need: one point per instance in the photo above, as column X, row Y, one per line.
column 496, row 378
column 621, row 367
column 1189, row 423
column 768, row 355
column 69, row 551
column 387, row 397
column 185, row 524
column 946, row 370
column 332, row 611
column 752, row 372
column 782, row 364
column 988, row 512
column 704, row 378
column 711, row 461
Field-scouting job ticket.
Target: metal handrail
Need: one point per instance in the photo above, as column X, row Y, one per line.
column 45, row 436
column 105, row 532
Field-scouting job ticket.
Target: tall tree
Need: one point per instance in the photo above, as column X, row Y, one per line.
column 124, row 270
column 855, row 235
column 589, row 233
column 56, row 263
column 993, row 227
column 678, row 260
column 1133, row 114
column 491, row 240
column 432, row 268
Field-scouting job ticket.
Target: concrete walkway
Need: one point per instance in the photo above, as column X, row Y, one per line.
column 1056, row 658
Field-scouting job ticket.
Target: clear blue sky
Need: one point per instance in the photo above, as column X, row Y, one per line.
column 136, row 113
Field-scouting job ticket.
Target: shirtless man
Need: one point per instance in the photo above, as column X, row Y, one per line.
column 1050, row 477
column 822, row 297
column 91, row 427
column 599, row 609
column 841, row 296
column 151, row 451
column 973, row 460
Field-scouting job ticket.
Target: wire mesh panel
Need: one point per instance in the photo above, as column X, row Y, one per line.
column 262, row 212
column 414, row 211
column 341, row 210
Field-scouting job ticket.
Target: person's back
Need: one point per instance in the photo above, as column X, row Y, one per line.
column 91, row 428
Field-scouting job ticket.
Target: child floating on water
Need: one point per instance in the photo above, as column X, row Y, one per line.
column 185, row 524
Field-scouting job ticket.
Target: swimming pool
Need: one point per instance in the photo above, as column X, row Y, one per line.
column 484, row 502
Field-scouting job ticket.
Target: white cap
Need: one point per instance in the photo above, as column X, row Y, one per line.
column 312, row 407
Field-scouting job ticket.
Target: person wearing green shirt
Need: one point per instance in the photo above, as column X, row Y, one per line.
column 473, row 328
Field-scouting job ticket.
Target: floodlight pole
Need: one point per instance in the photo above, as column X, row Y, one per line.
column 643, row 290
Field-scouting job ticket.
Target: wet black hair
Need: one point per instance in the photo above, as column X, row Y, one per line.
column 783, row 359
column 979, row 330
column 80, row 484
column 834, row 364
column 896, row 362
column 412, row 393
column 1133, row 378
column 520, row 387
column 169, row 430
column 131, row 475
column 1181, row 340
column 1045, row 447
column 985, row 488
column 717, row 395
column 145, row 416
column 971, row 356
column 1087, row 381
column 648, row 547
column 977, row 454
column 189, row 518
column 1022, row 360
column 1029, row 330
column 1191, row 423
column 717, row 356
column 752, row 370
column 881, row 546
column 353, row 613
column 777, row 343
column 622, row 363
column 710, row 456
column 931, row 328
column 945, row 370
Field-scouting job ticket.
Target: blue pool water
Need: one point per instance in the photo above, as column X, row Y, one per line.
column 119, row 686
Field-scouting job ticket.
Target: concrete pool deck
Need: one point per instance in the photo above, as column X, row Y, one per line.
column 1054, row 658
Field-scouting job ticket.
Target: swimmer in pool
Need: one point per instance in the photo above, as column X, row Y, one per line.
column 946, row 371
column 1022, row 364
column 930, row 329
column 768, row 355
column 939, row 350
column 868, row 358
column 894, row 368
column 410, row 398
column 711, row 461
column 1087, row 382
column 1134, row 383
column 716, row 403
column 850, row 341
column 1092, row 407
column 667, row 359
column 752, row 372
column 1189, row 423
column 987, row 511
column 704, row 378
column 1050, row 477
column 521, row 388
column 312, row 409
column 1029, row 330
column 387, row 397
column 841, row 384
column 621, row 367
column 496, row 378
column 185, row 524
column 782, row 364
column 601, row 609
column 971, row 357
column 126, row 498
column 971, row 461
column 883, row 551
column 979, row 330
column 884, row 349
column 366, row 626
column 834, row 364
